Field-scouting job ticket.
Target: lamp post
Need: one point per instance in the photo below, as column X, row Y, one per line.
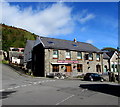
column 118, row 67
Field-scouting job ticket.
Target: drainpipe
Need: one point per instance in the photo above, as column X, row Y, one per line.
column 102, row 62
column 118, row 67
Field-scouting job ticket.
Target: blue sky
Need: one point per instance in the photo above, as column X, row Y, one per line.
column 91, row 22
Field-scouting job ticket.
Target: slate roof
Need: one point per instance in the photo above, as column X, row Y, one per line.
column 110, row 54
column 105, row 56
column 29, row 45
column 31, row 42
column 67, row 45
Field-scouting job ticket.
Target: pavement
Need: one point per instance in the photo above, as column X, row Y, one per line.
column 22, row 90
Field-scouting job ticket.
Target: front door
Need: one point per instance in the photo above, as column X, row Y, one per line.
column 68, row 68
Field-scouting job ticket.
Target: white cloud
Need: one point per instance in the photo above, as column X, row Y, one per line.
column 84, row 16
column 53, row 20
column 83, row 29
column 89, row 41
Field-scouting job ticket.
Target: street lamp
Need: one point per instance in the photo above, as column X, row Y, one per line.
column 118, row 67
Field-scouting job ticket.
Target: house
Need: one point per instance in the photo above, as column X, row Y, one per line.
column 50, row 55
column 16, row 55
column 113, row 61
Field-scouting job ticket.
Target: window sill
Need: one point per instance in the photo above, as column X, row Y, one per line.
column 79, row 59
column 55, row 58
column 68, row 58
column 98, row 60
column 90, row 60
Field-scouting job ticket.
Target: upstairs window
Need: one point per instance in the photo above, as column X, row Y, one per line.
column 79, row 55
column 98, row 57
column 90, row 56
column 86, row 56
column 68, row 55
column 55, row 53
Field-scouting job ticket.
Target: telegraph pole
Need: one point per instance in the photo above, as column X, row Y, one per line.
column 118, row 67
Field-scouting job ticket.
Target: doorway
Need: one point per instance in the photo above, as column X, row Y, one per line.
column 98, row 68
column 68, row 68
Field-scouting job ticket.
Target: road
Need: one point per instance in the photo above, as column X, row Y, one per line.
column 22, row 90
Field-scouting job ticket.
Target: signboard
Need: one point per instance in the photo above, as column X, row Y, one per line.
column 67, row 61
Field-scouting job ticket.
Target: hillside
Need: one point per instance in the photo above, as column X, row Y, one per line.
column 14, row 37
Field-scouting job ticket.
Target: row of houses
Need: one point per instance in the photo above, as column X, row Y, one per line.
column 45, row 56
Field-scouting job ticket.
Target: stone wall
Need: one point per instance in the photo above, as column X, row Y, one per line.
column 88, row 66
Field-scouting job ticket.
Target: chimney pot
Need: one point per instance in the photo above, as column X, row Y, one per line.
column 75, row 40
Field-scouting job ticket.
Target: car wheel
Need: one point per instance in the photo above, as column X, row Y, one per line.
column 91, row 79
column 102, row 80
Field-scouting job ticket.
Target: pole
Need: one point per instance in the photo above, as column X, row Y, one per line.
column 118, row 67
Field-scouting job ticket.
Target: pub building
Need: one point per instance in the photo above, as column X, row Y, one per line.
column 50, row 55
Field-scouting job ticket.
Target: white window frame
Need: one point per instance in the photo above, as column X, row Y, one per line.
column 98, row 58
column 55, row 55
column 79, row 57
column 68, row 54
column 90, row 58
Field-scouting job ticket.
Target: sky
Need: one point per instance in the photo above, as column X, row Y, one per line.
column 91, row 22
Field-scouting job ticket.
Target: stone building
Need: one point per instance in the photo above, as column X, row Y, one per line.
column 51, row 55
column 113, row 61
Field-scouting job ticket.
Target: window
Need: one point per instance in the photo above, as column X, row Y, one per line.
column 68, row 55
column 90, row 56
column 86, row 56
column 55, row 53
column 79, row 55
column 55, row 68
column 98, row 57
column 51, row 42
column 79, row 68
column 74, row 45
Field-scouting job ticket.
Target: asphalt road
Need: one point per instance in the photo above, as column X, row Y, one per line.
column 22, row 90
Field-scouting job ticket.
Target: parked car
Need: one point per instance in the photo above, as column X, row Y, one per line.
column 93, row 77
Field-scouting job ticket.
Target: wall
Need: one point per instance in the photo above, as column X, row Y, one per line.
column 61, row 56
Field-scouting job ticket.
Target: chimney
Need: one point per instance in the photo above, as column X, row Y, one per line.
column 75, row 40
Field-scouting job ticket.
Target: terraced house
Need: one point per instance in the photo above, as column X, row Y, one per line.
column 52, row 55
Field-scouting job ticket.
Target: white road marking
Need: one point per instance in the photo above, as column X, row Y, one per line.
column 23, row 85
column 26, row 85
column 2, row 90
column 35, row 83
column 42, row 81
column 65, row 100
column 17, row 87
column 10, row 88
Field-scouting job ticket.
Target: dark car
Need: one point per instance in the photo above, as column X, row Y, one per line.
column 93, row 77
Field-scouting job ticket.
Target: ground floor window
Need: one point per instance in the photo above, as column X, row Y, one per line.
column 98, row 68
column 79, row 68
column 105, row 68
column 55, row 68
